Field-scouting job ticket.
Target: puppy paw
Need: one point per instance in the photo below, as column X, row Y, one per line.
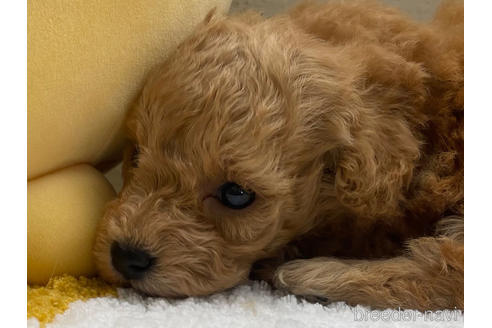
column 287, row 276
column 309, row 277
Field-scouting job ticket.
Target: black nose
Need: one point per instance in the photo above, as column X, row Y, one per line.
column 131, row 262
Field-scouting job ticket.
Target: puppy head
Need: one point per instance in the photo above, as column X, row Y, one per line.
column 234, row 143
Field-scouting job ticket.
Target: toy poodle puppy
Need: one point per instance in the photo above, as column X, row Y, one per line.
column 320, row 150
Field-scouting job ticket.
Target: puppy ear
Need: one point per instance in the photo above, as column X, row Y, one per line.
column 363, row 103
column 373, row 171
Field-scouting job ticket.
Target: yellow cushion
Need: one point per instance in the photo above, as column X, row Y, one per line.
column 86, row 61
column 63, row 209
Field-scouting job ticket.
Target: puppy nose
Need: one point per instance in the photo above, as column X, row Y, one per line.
column 131, row 262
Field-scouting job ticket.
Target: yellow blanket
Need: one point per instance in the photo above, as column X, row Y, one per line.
column 45, row 302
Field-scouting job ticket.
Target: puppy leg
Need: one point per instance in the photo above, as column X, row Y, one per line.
column 429, row 277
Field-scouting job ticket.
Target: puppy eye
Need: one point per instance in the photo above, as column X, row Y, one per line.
column 134, row 156
column 234, row 196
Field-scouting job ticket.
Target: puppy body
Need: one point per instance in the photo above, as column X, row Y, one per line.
column 345, row 119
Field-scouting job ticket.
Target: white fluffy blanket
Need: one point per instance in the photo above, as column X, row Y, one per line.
column 254, row 305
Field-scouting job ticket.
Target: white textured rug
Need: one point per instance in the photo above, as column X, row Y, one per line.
column 254, row 305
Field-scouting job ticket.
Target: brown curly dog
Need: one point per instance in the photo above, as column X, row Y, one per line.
column 320, row 150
